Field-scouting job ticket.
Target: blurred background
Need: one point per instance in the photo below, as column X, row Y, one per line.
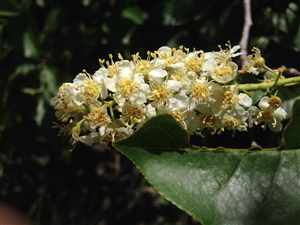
column 46, row 42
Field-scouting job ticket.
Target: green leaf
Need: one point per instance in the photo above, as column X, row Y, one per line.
column 292, row 130
column 150, row 134
column 134, row 14
column 257, row 95
column 30, row 46
column 52, row 21
column 221, row 186
column 290, row 93
column 48, row 82
column 297, row 39
column 7, row 14
column 40, row 112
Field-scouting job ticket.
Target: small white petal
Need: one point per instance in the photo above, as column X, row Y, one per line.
column 165, row 51
column 280, row 114
column 110, row 84
column 178, row 102
column 79, row 78
column 100, row 74
column 264, row 102
column 235, row 48
column 150, row 111
column 157, row 74
column 245, row 100
column 102, row 130
column 174, row 85
column 125, row 72
column 176, row 66
column 158, row 63
column 210, row 62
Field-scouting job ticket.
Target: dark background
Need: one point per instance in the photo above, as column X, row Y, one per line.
column 44, row 43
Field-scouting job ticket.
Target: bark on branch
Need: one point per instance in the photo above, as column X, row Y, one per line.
column 246, row 31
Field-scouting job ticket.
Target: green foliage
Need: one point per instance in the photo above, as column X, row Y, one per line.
column 218, row 186
column 31, row 49
column 44, row 43
column 135, row 14
column 150, row 135
column 292, row 130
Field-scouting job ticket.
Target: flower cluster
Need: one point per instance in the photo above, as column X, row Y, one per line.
column 200, row 89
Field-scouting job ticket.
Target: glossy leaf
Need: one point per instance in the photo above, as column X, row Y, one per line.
column 219, row 186
column 292, row 131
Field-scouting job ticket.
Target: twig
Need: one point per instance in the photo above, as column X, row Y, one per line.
column 246, row 31
column 292, row 72
column 268, row 84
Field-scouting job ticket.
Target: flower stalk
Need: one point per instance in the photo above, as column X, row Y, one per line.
column 268, row 84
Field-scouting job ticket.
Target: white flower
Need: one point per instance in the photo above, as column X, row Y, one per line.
column 272, row 113
column 168, row 96
column 194, row 61
column 255, row 63
column 200, row 92
column 128, row 85
column 224, row 73
column 132, row 114
column 235, row 119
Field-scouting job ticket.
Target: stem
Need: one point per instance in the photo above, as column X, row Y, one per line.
column 246, row 31
column 268, row 84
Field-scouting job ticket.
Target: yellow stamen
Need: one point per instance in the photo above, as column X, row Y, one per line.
column 195, row 63
column 98, row 117
column 91, row 90
column 200, row 91
column 132, row 114
column 161, row 94
column 224, row 70
column 127, row 87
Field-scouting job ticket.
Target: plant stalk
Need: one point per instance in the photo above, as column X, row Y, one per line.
column 268, row 84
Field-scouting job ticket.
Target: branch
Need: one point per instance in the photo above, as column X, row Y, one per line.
column 246, row 31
